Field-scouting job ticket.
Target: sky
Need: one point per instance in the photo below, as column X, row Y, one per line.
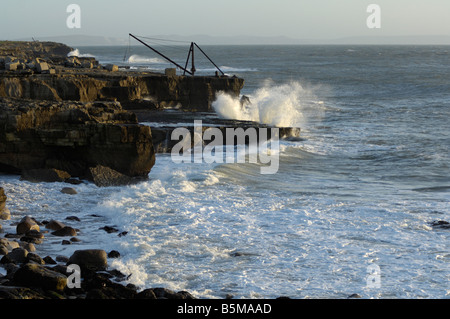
column 298, row 19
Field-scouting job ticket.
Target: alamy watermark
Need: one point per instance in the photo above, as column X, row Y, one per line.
column 251, row 145
column 73, row 21
column 374, row 19
column 74, row 279
column 373, row 280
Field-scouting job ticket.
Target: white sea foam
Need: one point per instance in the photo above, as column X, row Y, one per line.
column 77, row 53
column 285, row 105
column 135, row 58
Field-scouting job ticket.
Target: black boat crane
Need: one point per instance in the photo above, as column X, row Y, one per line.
column 190, row 56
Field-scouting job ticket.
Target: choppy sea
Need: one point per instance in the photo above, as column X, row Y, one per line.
column 349, row 210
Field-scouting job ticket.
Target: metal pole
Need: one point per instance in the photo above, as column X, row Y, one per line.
column 156, row 51
column 187, row 60
column 193, row 66
column 209, row 58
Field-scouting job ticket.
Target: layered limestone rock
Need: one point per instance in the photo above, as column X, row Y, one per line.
column 133, row 90
column 73, row 137
column 42, row 71
column 34, row 49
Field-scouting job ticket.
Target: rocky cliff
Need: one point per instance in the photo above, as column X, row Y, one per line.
column 43, row 71
column 34, row 49
column 67, row 115
column 133, row 90
column 73, row 137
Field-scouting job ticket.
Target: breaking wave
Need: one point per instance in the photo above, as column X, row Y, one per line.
column 285, row 105
column 143, row 59
column 77, row 53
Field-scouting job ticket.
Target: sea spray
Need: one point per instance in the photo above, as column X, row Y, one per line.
column 135, row 58
column 285, row 105
column 76, row 53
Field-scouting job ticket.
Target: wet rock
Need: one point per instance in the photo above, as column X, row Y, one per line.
column 3, row 250
column 75, row 218
column 164, row 293
column 92, row 259
column 26, row 223
column 99, row 286
column 113, row 254
column 109, row 229
column 440, row 224
column 146, row 294
column 9, row 244
column 35, row 258
column 65, row 231
column 69, row 191
column 63, row 259
column 31, row 240
column 18, row 255
column 49, row 260
column 34, row 275
column 54, row 225
column 29, row 246
column 11, row 292
column 34, row 234
column 5, row 214
column 104, row 176
column 3, row 198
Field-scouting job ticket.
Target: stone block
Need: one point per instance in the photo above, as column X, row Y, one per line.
column 171, row 72
column 42, row 67
column 112, row 67
column 12, row 66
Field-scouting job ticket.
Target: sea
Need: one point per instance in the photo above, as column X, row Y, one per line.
column 349, row 212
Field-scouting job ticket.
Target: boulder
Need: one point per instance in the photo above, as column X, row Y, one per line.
column 3, row 250
column 42, row 67
column 54, row 225
column 32, row 257
column 9, row 244
column 92, row 259
column 5, row 214
column 18, row 255
column 26, row 223
column 104, row 176
column 65, row 231
column 164, row 293
column 29, row 247
column 12, row 66
column 7, row 292
column 35, row 275
column 3, row 198
column 33, row 233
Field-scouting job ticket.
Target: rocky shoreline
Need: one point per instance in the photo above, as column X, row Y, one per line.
column 31, row 276
column 69, row 119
